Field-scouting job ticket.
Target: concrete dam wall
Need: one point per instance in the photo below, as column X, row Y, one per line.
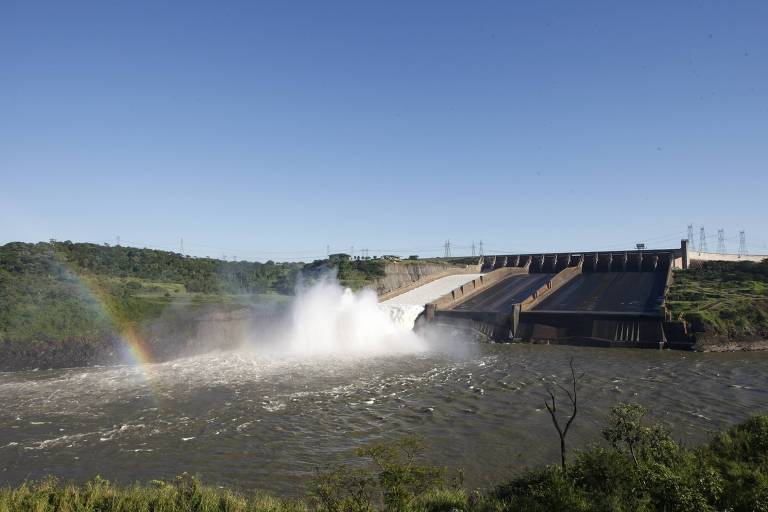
column 613, row 298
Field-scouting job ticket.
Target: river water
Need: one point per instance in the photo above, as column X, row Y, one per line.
column 258, row 421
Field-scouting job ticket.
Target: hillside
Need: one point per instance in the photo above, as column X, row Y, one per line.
column 65, row 290
column 727, row 301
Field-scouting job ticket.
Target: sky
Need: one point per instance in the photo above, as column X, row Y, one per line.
column 280, row 130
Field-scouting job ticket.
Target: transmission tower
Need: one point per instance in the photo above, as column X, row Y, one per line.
column 481, row 248
column 702, row 240
column 721, row 241
column 447, row 249
column 742, row 243
column 473, row 249
column 118, row 240
column 690, row 238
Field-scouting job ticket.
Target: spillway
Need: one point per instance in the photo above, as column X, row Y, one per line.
column 405, row 308
column 611, row 298
column 502, row 296
column 624, row 292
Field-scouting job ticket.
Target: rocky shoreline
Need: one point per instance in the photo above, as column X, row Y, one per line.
column 710, row 342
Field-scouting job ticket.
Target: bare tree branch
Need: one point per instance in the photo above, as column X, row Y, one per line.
column 573, row 397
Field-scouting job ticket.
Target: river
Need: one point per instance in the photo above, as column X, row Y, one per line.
column 255, row 421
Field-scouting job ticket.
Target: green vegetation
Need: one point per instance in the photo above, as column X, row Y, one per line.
column 639, row 468
column 183, row 494
column 726, row 298
column 65, row 291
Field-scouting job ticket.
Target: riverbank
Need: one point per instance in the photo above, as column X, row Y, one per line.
column 638, row 467
column 182, row 330
column 724, row 344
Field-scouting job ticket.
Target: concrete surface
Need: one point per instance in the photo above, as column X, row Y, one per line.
column 626, row 292
column 502, row 296
column 433, row 290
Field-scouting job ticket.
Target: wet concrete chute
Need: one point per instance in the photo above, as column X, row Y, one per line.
column 406, row 307
column 606, row 298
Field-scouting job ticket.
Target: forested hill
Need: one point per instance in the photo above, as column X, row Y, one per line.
column 204, row 275
column 74, row 291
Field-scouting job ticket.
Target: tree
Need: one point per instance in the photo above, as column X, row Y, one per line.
column 627, row 433
column 572, row 394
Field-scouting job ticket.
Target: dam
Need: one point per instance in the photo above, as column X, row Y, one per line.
column 603, row 298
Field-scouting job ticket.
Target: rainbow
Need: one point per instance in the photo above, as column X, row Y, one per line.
column 94, row 293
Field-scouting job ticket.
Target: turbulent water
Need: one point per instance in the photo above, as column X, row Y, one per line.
column 255, row 421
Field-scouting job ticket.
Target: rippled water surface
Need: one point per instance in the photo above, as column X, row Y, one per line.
column 256, row 422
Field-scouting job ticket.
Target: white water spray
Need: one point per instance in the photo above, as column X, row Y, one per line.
column 328, row 320
column 403, row 315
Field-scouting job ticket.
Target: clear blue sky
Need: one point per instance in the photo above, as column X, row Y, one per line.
column 250, row 127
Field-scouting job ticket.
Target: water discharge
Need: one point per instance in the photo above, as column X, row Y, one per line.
column 328, row 320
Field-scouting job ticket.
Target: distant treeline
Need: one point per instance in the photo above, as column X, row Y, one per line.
column 206, row 275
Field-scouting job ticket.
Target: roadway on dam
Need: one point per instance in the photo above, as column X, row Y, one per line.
column 621, row 292
column 500, row 297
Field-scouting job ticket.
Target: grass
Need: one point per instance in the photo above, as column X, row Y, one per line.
column 727, row 298
column 728, row 474
column 183, row 494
